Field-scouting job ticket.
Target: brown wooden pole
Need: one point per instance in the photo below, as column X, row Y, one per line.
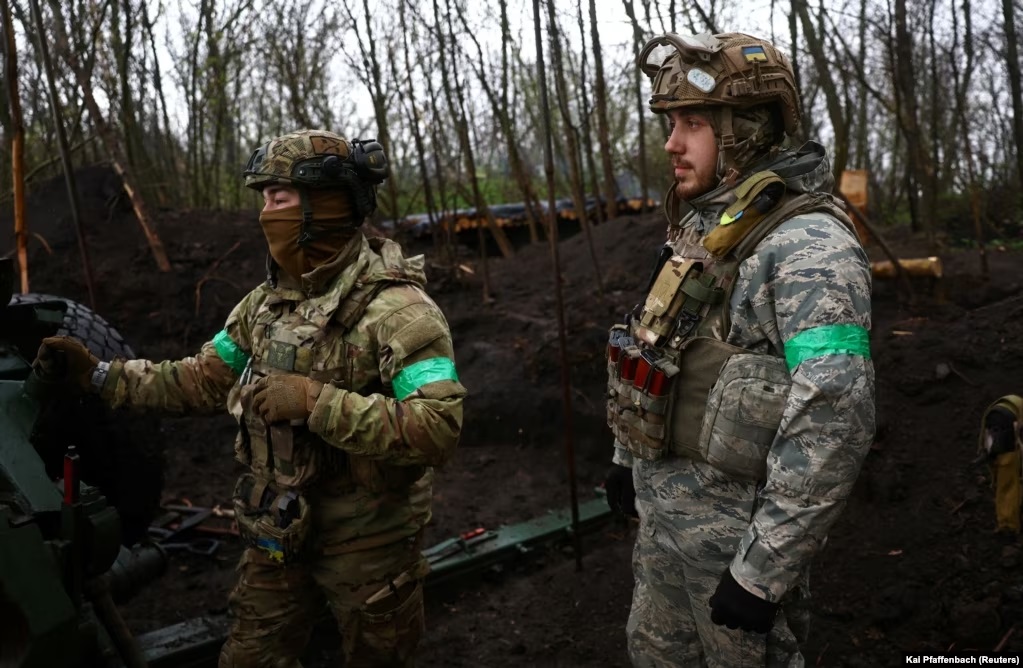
column 900, row 274
column 566, row 381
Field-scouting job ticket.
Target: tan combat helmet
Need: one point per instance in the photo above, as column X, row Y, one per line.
column 728, row 71
column 322, row 160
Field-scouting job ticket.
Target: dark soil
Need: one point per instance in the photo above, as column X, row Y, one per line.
column 912, row 565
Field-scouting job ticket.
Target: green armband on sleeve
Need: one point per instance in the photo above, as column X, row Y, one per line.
column 413, row 377
column 230, row 352
column 827, row 340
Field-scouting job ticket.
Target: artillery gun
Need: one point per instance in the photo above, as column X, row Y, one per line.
column 77, row 487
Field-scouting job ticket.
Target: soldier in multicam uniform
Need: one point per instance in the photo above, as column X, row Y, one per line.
column 741, row 392
column 340, row 371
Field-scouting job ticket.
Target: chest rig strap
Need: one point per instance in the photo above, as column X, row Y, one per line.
column 285, row 453
column 680, row 295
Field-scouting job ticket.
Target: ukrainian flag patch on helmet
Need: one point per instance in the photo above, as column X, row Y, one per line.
column 754, row 54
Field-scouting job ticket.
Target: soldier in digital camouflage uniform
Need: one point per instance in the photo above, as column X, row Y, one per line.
column 741, row 392
column 340, row 371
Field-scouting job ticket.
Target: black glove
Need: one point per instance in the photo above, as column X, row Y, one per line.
column 734, row 607
column 621, row 492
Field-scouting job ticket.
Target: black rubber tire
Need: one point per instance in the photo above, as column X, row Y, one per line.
column 84, row 324
column 121, row 452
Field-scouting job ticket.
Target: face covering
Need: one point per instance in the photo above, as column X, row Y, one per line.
column 331, row 230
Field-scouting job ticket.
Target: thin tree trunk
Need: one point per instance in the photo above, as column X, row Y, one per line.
column 437, row 141
column 637, row 40
column 572, row 141
column 520, row 173
column 1012, row 63
column 379, row 96
column 499, row 107
column 112, row 143
column 17, row 144
column 860, row 159
column 65, row 152
column 584, row 97
column 905, row 81
column 167, row 164
column 603, row 133
column 457, row 106
column 416, row 120
column 566, row 383
column 962, row 111
column 814, row 38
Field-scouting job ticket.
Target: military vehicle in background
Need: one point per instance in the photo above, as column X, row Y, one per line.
column 78, row 488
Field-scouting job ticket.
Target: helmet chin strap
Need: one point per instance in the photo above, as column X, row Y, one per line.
column 726, row 168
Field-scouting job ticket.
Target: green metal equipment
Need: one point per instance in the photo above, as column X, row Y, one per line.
column 62, row 562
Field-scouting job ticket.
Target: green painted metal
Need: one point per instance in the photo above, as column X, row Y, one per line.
column 21, row 470
column 478, row 550
column 31, row 587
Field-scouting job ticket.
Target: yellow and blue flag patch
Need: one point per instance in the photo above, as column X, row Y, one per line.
column 754, row 54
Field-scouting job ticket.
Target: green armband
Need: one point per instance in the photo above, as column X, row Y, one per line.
column 827, row 340
column 230, row 352
column 413, row 377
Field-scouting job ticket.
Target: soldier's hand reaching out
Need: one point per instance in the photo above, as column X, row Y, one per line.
column 62, row 359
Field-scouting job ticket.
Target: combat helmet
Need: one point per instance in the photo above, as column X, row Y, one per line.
column 321, row 160
column 728, row 71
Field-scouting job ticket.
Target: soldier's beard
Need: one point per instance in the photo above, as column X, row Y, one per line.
column 331, row 231
column 695, row 183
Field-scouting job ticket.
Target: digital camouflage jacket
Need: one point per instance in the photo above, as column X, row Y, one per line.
column 805, row 286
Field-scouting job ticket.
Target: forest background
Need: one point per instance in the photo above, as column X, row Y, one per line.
column 923, row 95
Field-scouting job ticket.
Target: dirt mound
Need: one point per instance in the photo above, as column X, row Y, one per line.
column 913, row 564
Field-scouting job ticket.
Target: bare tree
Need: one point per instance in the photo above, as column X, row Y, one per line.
column 455, row 95
column 1012, row 63
column 814, row 41
column 920, row 173
column 415, row 117
column 368, row 67
column 111, row 140
column 637, row 41
column 572, row 141
column 17, row 142
column 584, row 100
column 600, row 93
column 503, row 114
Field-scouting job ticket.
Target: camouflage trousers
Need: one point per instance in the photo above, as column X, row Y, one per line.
column 275, row 607
column 691, row 520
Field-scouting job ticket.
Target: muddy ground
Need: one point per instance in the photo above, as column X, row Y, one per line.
column 912, row 565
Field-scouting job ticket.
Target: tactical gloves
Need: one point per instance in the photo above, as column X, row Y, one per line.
column 734, row 607
column 621, row 492
column 62, row 359
column 282, row 398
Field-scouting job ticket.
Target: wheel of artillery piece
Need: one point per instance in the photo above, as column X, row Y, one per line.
column 121, row 453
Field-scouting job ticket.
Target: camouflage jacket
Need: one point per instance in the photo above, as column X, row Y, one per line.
column 391, row 403
column 806, row 277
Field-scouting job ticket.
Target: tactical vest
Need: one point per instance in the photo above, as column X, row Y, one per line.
column 290, row 464
column 1007, row 470
column 674, row 385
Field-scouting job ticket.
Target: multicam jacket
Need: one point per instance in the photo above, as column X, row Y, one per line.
column 391, row 406
column 802, row 298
